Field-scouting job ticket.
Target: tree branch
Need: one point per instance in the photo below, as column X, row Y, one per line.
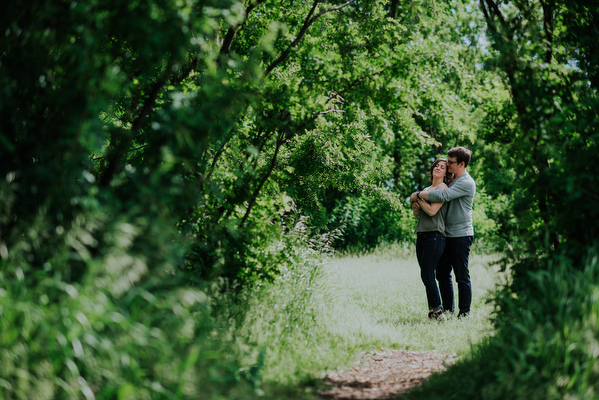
column 510, row 62
column 483, row 7
column 151, row 100
column 185, row 71
column 338, row 96
column 331, row 111
column 119, row 150
column 232, row 31
column 495, row 8
column 339, row 7
column 267, row 175
column 219, row 152
column 128, row 151
column 361, row 78
column 121, row 144
column 392, row 9
column 309, row 20
column 548, row 28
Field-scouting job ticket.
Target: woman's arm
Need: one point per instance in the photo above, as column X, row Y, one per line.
column 433, row 208
column 430, row 209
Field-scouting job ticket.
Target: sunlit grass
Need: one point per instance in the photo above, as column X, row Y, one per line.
column 380, row 299
column 316, row 319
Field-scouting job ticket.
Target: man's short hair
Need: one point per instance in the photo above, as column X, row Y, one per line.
column 461, row 154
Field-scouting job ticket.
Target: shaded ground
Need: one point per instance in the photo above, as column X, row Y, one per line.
column 385, row 374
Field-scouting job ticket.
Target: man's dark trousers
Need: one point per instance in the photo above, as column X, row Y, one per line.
column 455, row 256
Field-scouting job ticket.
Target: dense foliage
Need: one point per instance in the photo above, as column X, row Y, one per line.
column 153, row 151
column 220, row 125
column 544, row 138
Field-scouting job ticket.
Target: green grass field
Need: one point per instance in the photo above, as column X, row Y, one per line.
column 381, row 299
column 308, row 323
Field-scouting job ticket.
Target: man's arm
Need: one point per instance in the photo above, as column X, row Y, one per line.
column 418, row 196
column 422, row 196
column 460, row 189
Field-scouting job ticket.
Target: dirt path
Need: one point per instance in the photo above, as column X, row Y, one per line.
column 385, row 374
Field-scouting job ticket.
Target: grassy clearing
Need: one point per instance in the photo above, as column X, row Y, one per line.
column 316, row 319
column 381, row 302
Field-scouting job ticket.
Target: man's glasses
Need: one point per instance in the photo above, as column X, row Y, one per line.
column 449, row 162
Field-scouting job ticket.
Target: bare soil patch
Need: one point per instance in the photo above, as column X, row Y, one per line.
column 384, row 374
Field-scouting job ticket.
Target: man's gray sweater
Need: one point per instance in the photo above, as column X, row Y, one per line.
column 461, row 191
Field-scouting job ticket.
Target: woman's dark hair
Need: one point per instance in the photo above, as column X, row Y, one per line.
column 448, row 177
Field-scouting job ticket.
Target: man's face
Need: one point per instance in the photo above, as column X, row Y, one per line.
column 452, row 163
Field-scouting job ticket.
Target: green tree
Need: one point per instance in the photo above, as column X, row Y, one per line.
column 544, row 138
column 232, row 119
column 339, row 103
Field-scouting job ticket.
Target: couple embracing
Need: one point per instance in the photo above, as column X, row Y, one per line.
column 445, row 233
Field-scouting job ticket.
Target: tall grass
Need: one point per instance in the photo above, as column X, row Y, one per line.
column 320, row 314
column 117, row 336
column 282, row 337
column 110, row 336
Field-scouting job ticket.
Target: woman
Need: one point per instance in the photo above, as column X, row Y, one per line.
column 430, row 241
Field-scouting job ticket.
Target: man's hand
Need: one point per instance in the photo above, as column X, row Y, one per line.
column 415, row 206
column 414, row 197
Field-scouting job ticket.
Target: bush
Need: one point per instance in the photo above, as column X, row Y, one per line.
column 131, row 327
column 126, row 329
column 370, row 220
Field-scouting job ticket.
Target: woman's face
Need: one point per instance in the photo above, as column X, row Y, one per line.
column 440, row 169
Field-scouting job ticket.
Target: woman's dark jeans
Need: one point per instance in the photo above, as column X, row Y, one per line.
column 429, row 248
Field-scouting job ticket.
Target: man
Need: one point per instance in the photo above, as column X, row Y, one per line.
column 458, row 229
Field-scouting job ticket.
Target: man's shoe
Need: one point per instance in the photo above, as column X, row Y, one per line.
column 463, row 315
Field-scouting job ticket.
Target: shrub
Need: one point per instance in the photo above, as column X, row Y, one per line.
column 370, row 220
column 126, row 329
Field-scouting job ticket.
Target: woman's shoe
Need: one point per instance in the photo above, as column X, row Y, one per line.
column 437, row 315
